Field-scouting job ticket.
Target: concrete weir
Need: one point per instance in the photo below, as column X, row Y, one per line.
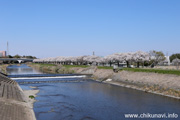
column 13, row 102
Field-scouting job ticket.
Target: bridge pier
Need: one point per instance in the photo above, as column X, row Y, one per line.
column 20, row 61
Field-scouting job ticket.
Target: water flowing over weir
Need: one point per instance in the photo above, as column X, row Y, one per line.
column 75, row 97
column 47, row 78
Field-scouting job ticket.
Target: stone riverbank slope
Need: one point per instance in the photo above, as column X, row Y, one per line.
column 13, row 102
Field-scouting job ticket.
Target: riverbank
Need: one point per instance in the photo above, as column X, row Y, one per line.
column 13, row 101
column 28, row 93
column 162, row 84
column 3, row 68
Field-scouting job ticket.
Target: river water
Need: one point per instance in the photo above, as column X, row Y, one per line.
column 73, row 97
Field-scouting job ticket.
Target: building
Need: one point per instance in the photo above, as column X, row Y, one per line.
column 2, row 53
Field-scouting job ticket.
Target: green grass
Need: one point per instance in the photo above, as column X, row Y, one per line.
column 71, row 66
column 175, row 72
column 44, row 64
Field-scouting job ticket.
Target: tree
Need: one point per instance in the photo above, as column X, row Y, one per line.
column 157, row 56
column 17, row 56
column 9, row 56
column 92, row 59
column 174, row 56
column 29, row 57
column 176, row 62
column 127, row 57
column 141, row 57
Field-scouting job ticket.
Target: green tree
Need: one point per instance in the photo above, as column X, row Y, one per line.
column 17, row 56
column 174, row 56
column 9, row 56
column 29, row 57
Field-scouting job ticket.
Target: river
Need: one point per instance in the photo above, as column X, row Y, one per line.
column 73, row 97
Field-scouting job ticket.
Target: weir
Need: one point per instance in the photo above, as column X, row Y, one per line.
column 53, row 81
column 43, row 75
column 47, row 78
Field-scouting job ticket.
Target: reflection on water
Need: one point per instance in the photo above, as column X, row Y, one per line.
column 81, row 99
column 23, row 69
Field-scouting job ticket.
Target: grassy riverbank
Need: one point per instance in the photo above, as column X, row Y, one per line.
column 163, row 82
column 160, row 71
column 3, row 68
column 44, row 65
column 174, row 72
column 51, row 68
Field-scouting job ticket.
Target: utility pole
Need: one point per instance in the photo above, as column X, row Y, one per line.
column 7, row 48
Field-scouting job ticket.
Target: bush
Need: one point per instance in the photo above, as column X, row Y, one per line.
column 31, row 96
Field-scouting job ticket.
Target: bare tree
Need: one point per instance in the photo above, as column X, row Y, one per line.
column 157, row 56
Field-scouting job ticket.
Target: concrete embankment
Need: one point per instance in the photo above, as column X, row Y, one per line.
column 14, row 103
column 162, row 84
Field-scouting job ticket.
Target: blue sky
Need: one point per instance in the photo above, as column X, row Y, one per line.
column 50, row 28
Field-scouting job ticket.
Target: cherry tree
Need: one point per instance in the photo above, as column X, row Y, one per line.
column 115, row 58
column 92, row 59
column 141, row 57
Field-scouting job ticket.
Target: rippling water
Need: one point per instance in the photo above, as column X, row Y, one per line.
column 84, row 99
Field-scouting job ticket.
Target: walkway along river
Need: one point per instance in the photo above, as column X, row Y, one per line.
column 72, row 97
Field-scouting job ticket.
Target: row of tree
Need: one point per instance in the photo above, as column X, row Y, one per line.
column 19, row 56
column 138, row 58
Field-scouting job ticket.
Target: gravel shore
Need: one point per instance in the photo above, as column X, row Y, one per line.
column 28, row 93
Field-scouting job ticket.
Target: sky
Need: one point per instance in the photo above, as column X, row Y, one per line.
column 51, row 28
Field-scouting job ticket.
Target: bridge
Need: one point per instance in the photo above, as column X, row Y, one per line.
column 20, row 60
